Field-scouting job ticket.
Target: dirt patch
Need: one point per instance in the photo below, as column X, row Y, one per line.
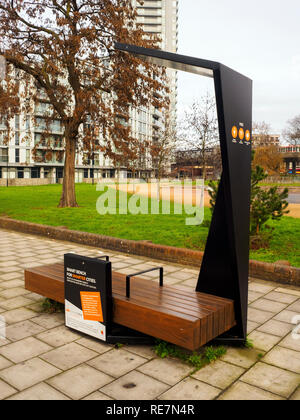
column 294, row 210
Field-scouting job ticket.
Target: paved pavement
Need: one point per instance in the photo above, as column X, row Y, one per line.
column 41, row 359
column 294, row 198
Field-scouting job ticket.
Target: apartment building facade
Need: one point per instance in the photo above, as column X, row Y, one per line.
column 24, row 160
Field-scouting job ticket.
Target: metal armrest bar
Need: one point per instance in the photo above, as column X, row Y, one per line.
column 103, row 256
column 161, row 278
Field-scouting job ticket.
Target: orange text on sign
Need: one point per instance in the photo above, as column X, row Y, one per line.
column 91, row 306
column 241, row 134
column 234, row 132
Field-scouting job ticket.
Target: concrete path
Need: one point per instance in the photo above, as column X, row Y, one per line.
column 294, row 198
column 41, row 359
column 189, row 196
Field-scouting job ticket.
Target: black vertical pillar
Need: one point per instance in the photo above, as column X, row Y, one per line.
column 225, row 265
column 224, row 270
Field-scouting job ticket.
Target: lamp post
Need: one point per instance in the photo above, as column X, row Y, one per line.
column 7, row 159
column 2, row 77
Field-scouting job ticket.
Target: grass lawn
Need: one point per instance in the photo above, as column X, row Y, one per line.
column 39, row 205
column 279, row 184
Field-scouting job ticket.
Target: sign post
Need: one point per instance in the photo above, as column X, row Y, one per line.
column 225, row 266
column 88, row 295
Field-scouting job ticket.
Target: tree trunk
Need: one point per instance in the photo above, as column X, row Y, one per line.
column 204, row 165
column 68, row 196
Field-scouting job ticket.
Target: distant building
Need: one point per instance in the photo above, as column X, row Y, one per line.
column 291, row 158
column 265, row 140
column 189, row 163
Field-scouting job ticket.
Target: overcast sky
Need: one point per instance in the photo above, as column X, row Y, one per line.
column 259, row 38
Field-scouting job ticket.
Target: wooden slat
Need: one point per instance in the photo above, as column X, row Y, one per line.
column 186, row 318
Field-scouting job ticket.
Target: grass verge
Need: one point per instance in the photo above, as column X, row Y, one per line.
column 39, row 205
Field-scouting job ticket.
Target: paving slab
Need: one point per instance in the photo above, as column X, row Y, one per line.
column 284, row 358
column 141, row 350
column 5, row 390
column 287, row 316
column 80, row 381
column 244, row 358
column 274, row 327
column 39, row 392
column 273, row 379
column 135, row 386
column 117, row 363
column 94, row 344
column 4, row 363
column 58, row 336
column 281, row 297
column 263, row 341
column 97, row 396
column 259, row 316
column 24, row 350
column 169, row 371
column 268, row 305
column 68, row 356
column 22, row 330
column 295, row 306
column 27, row 374
column 290, row 342
column 15, row 292
column 16, row 302
column 18, row 315
column 243, row 392
column 296, row 395
column 191, row 389
column 261, row 288
column 289, row 291
column 49, row 321
column 219, row 374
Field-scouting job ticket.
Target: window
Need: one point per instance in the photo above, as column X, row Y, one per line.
column 3, row 122
column 4, row 155
column 27, row 123
column 35, row 172
column 96, row 160
column 59, row 173
column 17, row 122
column 92, row 173
column 20, row 173
column 3, row 135
column 85, row 173
column 28, row 155
column 17, row 139
column 0, row 172
column 17, row 155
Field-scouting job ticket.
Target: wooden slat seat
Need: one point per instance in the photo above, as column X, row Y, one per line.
column 186, row 318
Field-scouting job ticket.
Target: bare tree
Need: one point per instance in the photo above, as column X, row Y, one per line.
column 163, row 146
column 292, row 131
column 261, row 133
column 67, row 47
column 200, row 129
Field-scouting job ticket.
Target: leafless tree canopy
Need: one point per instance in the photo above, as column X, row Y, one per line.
column 67, row 47
column 163, row 147
column 199, row 128
column 292, row 131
